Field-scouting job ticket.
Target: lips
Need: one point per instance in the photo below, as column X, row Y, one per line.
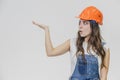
column 80, row 31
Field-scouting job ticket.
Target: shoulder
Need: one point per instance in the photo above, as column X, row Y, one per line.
column 73, row 43
column 73, row 39
column 106, row 46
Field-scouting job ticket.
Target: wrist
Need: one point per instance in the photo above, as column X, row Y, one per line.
column 103, row 79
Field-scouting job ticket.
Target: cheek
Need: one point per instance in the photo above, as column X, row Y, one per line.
column 87, row 30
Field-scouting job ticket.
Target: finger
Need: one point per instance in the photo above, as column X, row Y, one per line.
column 33, row 22
column 39, row 25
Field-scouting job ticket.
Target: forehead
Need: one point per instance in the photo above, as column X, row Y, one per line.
column 84, row 20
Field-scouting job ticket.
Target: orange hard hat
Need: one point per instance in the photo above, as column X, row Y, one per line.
column 91, row 13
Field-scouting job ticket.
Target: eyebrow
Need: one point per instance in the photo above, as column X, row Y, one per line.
column 85, row 21
column 79, row 21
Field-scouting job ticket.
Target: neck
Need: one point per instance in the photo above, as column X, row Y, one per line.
column 87, row 38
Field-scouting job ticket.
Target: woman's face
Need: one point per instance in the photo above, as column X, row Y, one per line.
column 84, row 28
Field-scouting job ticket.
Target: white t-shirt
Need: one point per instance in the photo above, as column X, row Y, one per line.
column 73, row 50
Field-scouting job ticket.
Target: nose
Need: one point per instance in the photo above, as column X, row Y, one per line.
column 80, row 26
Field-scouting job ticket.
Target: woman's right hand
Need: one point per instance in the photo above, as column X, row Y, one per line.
column 44, row 27
column 50, row 50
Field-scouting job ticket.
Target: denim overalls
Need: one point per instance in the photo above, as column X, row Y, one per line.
column 86, row 71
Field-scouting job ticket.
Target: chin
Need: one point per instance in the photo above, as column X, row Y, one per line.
column 82, row 35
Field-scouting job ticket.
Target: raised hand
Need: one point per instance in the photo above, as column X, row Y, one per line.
column 44, row 27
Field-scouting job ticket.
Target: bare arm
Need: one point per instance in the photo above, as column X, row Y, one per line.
column 50, row 50
column 104, row 70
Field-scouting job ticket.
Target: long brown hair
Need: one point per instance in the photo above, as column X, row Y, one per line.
column 94, row 42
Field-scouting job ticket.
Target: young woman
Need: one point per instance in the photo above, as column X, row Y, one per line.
column 90, row 55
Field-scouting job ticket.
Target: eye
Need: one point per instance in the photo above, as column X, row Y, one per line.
column 85, row 22
column 79, row 22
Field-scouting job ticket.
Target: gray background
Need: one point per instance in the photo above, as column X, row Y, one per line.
column 22, row 45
